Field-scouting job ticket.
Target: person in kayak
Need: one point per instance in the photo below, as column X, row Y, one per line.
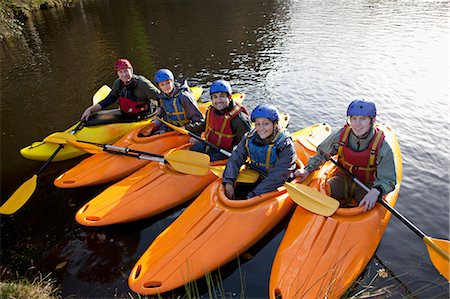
column 135, row 94
column 268, row 147
column 225, row 125
column 361, row 148
column 176, row 103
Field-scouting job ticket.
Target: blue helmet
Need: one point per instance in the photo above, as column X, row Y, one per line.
column 362, row 107
column 163, row 75
column 220, row 86
column 267, row 111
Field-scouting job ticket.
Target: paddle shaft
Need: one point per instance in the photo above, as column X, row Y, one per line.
column 115, row 148
column 402, row 218
column 137, row 156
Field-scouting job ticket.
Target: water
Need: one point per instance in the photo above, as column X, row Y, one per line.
column 310, row 58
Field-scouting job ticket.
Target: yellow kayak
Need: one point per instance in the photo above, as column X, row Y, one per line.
column 106, row 132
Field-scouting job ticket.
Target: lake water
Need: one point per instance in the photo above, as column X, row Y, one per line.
column 310, row 58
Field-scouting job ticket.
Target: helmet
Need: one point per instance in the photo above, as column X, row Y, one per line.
column 163, row 75
column 122, row 63
column 362, row 107
column 220, row 86
column 266, row 111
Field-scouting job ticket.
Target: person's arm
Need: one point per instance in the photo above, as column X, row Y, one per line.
column 189, row 104
column 234, row 163
column 110, row 99
column 240, row 125
column 279, row 173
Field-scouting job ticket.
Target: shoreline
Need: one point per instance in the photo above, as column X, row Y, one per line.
column 14, row 13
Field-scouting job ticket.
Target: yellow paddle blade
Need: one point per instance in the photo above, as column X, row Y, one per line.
column 189, row 162
column 101, row 94
column 439, row 252
column 284, row 120
column 245, row 175
column 238, row 97
column 89, row 148
column 19, row 197
column 312, row 200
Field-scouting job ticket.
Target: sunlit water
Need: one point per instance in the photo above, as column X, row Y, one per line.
column 310, row 58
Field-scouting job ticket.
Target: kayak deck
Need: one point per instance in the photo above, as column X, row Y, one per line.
column 212, row 231
column 321, row 257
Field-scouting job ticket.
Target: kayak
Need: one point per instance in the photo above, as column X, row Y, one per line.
column 213, row 230
column 321, row 257
column 106, row 127
column 139, row 195
column 147, row 192
column 106, row 167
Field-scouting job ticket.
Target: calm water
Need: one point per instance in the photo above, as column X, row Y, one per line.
column 310, row 58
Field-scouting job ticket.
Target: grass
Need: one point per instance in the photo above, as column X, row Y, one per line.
column 39, row 287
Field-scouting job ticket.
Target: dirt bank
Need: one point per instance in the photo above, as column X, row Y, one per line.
column 13, row 13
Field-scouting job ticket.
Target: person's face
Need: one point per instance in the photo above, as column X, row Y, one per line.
column 220, row 100
column 264, row 127
column 360, row 124
column 125, row 75
column 166, row 86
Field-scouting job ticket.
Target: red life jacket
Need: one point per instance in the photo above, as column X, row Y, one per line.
column 361, row 164
column 218, row 126
column 129, row 103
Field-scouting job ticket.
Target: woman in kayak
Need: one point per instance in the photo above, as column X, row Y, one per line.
column 134, row 93
column 225, row 125
column 361, row 148
column 268, row 147
column 176, row 103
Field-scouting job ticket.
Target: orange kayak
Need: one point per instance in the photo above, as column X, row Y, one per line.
column 321, row 257
column 212, row 231
column 105, row 167
column 147, row 192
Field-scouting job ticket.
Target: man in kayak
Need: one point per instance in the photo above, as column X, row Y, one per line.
column 268, row 147
column 134, row 93
column 176, row 103
column 225, row 125
column 361, row 148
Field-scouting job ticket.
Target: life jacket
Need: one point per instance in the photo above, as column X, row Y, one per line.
column 264, row 156
column 129, row 103
column 174, row 110
column 218, row 126
column 361, row 164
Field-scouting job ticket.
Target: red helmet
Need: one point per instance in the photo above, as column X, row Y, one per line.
column 122, row 64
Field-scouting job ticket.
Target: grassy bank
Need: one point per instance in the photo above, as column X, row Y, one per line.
column 13, row 13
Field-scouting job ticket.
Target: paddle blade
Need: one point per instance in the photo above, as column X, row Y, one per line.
column 189, row 162
column 249, row 176
column 439, row 252
column 19, row 197
column 238, row 97
column 312, row 200
column 59, row 138
column 88, row 148
column 101, row 94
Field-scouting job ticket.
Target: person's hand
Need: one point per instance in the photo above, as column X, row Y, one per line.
column 370, row 199
column 301, row 174
column 192, row 140
column 86, row 113
column 229, row 190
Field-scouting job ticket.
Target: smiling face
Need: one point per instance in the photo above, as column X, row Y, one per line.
column 166, row 86
column 220, row 100
column 264, row 127
column 360, row 124
column 125, row 75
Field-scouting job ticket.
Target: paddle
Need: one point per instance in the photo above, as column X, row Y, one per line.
column 24, row 192
column 303, row 195
column 438, row 249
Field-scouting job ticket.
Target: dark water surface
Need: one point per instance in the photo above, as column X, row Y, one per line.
column 310, row 58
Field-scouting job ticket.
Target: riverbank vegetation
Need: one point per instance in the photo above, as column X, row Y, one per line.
column 13, row 14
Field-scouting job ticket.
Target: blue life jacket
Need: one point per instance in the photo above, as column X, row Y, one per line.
column 264, row 156
column 175, row 112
